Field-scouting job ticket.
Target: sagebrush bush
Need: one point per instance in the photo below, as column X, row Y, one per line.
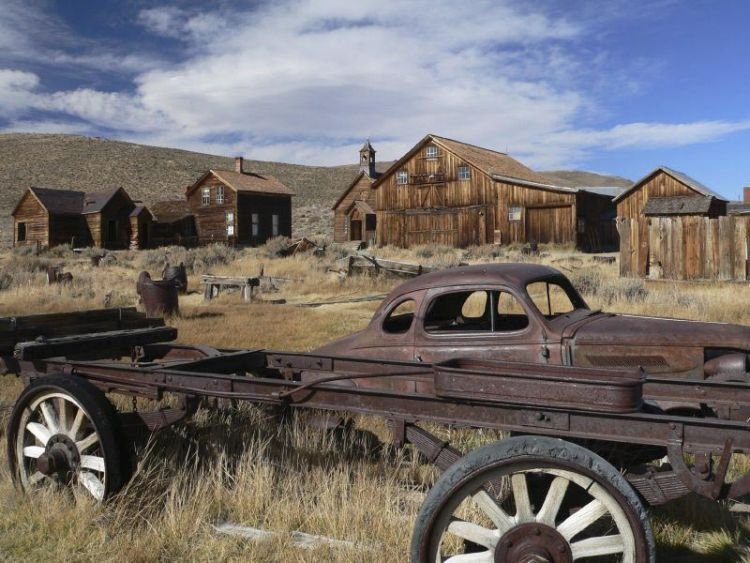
column 196, row 260
column 587, row 281
column 275, row 247
column 485, row 252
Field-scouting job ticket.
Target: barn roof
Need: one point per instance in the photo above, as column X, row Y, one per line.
column 170, row 211
column 378, row 174
column 691, row 183
column 492, row 163
column 678, row 205
column 246, row 182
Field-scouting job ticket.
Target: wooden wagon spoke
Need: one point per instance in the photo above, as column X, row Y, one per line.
column 87, row 442
column 48, row 413
column 596, row 547
column 582, row 519
column 62, row 414
column 521, row 498
column 76, row 426
column 501, row 519
column 39, row 431
column 474, row 533
column 33, row 451
column 93, row 462
column 92, row 484
column 553, row 501
column 481, row 557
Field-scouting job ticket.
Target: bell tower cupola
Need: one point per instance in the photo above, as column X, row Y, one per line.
column 367, row 159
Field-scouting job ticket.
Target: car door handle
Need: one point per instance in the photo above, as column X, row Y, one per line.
column 419, row 358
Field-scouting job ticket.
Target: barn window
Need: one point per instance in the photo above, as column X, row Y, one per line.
column 21, row 232
column 514, row 213
column 206, row 196
column 402, row 177
column 464, row 173
column 254, row 224
column 220, row 195
column 274, row 225
column 432, row 152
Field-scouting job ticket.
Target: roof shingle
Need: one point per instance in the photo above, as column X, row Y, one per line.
column 251, row 182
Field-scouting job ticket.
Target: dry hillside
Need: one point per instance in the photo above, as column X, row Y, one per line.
column 157, row 173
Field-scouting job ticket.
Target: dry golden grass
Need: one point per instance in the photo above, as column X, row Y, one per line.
column 243, row 467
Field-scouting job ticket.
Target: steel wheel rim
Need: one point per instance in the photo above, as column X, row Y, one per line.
column 543, row 520
column 55, row 426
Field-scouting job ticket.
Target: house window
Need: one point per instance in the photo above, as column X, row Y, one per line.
column 230, row 230
column 254, row 224
column 514, row 213
column 402, row 177
column 230, row 222
column 21, row 232
column 432, row 152
column 206, row 196
column 220, row 195
column 464, row 173
column 274, row 225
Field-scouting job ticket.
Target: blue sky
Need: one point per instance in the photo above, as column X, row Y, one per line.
column 618, row 87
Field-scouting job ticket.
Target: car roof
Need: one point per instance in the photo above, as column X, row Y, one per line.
column 509, row 273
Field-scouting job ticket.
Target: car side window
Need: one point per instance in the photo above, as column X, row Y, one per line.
column 460, row 311
column 550, row 299
column 510, row 315
column 401, row 317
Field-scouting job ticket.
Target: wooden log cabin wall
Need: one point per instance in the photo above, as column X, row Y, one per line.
column 448, row 192
column 673, row 227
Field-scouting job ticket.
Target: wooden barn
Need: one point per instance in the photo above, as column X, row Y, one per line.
column 672, row 226
column 47, row 217
column 238, row 207
column 173, row 224
column 354, row 212
column 453, row 193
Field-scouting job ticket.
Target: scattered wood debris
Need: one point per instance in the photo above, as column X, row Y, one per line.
column 213, row 285
column 302, row 245
column 300, row 539
column 362, row 299
column 362, row 263
column 604, row 259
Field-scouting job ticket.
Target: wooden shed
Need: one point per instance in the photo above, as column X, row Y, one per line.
column 453, row 193
column 354, row 213
column 669, row 227
column 47, row 217
column 238, row 207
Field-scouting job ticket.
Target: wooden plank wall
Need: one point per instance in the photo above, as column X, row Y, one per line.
column 340, row 214
column 31, row 212
column 685, row 248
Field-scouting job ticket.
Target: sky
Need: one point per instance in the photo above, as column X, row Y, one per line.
column 611, row 86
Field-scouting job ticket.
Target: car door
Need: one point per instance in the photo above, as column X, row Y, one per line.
column 478, row 322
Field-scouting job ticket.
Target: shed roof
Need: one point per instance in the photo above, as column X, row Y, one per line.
column 58, row 201
column 171, row 210
column 738, row 208
column 140, row 208
column 691, row 183
column 94, row 202
column 678, row 205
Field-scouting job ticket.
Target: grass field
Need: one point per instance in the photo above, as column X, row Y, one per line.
column 240, row 466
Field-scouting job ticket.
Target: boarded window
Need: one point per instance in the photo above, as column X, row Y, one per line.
column 514, row 213
column 432, row 152
column 464, row 173
column 274, row 225
column 400, row 318
column 220, row 195
column 402, row 177
column 254, row 224
column 206, row 196
column 21, row 232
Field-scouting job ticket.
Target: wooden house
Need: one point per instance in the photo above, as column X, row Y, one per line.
column 664, row 219
column 173, row 224
column 238, row 207
column 354, row 214
column 453, row 193
column 47, row 217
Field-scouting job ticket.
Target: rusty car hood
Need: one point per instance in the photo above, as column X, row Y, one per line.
column 634, row 330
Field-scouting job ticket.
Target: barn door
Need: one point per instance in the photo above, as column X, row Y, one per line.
column 548, row 224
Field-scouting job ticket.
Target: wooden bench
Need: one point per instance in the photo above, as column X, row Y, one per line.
column 212, row 286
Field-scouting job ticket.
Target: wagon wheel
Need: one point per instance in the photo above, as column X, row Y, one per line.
column 62, row 432
column 532, row 500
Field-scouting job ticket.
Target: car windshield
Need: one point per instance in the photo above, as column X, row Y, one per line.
column 554, row 298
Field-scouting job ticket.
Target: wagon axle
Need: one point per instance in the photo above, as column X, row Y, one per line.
column 61, row 456
column 533, row 543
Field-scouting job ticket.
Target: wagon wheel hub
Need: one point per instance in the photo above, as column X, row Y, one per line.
column 60, row 456
column 533, row 543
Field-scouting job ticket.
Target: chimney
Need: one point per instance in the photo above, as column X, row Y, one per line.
column 238, row 164
column 746, row 194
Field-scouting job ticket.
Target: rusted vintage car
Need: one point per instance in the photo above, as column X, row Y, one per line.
column 532, row 313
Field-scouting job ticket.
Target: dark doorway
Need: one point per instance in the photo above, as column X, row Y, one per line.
column 355, row 233
column 111, row 231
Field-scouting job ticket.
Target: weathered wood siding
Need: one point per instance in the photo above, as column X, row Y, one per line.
column 435, row 206
column 660, row 184
column 36, row 219
column 140, row 231
column 69, row 229
column 596, row 226
column 211, row 219
column 265, row 206
column 685, row 248
column 342, row 215
column 546, row 215
column 116, row 212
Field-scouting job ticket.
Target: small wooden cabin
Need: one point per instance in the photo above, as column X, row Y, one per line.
column 238, row 207
column 353, row 213
column 453, row 193
column 47, row 217
column 670, row 201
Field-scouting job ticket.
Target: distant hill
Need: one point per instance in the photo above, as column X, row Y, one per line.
column 579, row 178
column 157, row 173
